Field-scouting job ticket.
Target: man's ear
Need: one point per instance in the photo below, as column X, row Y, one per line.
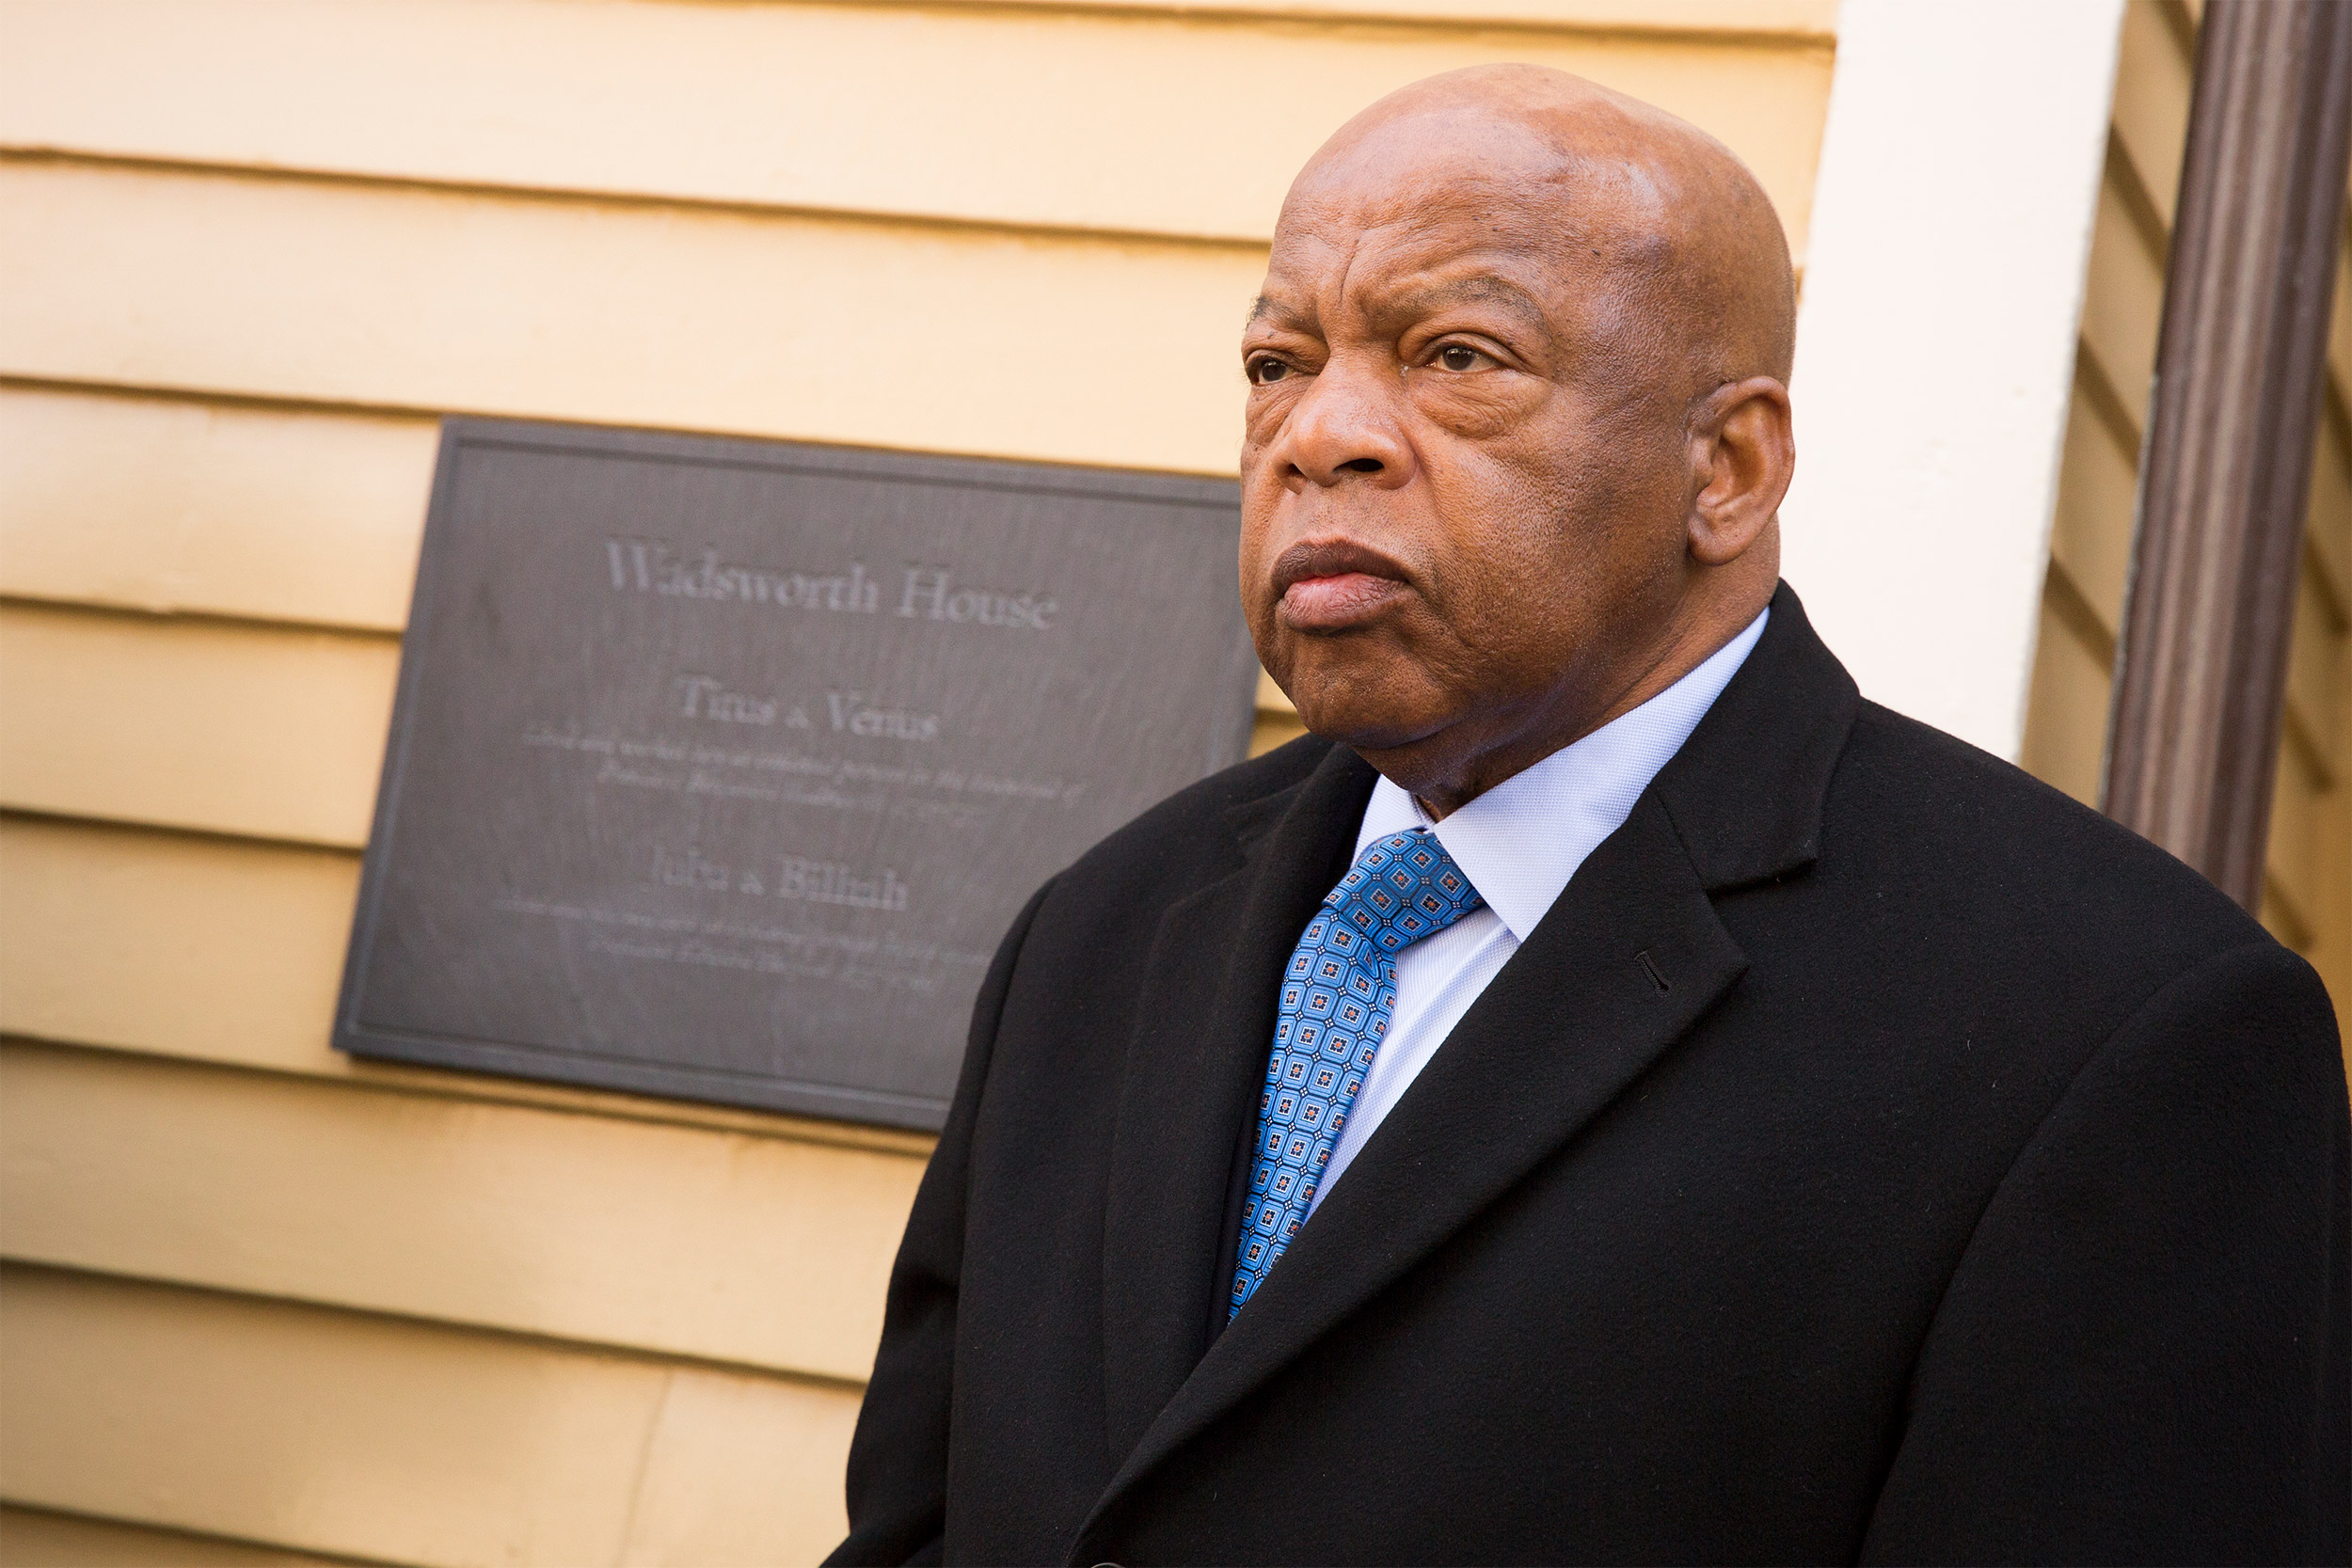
column 1743, row 452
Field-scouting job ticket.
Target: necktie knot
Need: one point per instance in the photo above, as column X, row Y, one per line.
column 1338, row 995
column 1402, row 888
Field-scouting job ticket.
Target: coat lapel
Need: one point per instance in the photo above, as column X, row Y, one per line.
column 1628, row 959
column 1194, row 1066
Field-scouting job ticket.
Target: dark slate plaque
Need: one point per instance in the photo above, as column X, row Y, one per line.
column 718, row 768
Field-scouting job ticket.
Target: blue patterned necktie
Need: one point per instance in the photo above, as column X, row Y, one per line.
column 1338, row 994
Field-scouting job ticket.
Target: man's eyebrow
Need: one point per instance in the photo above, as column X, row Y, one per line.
column 1484, row 286
column 1264, row 308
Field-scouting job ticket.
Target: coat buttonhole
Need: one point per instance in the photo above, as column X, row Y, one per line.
column 1651, row 969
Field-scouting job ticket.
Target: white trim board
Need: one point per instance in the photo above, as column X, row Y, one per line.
column 1958, row 185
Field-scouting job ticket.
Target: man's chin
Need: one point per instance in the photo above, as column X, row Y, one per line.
column 1375, row 731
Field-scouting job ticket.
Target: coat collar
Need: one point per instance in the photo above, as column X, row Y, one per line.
column 1747, row 790
column 1629, row 958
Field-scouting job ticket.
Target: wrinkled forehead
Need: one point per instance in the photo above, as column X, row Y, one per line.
column 1469, row 188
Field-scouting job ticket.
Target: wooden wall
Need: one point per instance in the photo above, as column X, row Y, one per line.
column 2308, row 891
column 260, row 1301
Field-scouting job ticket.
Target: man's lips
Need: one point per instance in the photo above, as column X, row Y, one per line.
column 1330, row 584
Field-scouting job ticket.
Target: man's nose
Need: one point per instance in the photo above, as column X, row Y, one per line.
column 1345, row 427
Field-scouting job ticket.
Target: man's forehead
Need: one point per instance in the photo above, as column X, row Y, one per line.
column 1494, row 254
column 1522, row 226
column 1300, row 301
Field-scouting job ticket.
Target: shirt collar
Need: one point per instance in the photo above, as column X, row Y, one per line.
column 1522, row 841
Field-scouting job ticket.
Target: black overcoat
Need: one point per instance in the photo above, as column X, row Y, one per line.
column 1968, row 1184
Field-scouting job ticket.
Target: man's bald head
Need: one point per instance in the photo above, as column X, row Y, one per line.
column 1665, row 205
column 1519, row 426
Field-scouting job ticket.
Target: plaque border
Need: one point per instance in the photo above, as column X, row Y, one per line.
column 587, row 1069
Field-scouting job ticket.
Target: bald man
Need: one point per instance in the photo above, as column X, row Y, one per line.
column 1608, row 1093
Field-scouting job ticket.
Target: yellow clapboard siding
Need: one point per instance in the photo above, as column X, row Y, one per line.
column 741, row 1472
column 2319, row 676
column 760, row 1251
column 830, row 330
column 215, row 725
column 2091, row 537
column 163, row 504
column 222, row 950
column 327, row 1431
column 167, row 503
column 32, row 1538
column 2340, row 327
column 1153, row 123
column 2297, row 801
column 2281, row 919
column 206, row 948
column 1272, row 730
column 2328, row 524
column 2092, row 532
column 2153, row 78
column 2124, row 301
column 2331, row 851
column 2315, row 656
column 2066, row 715
column 1807, row 19
column 2313, row 804
column 1277, row 717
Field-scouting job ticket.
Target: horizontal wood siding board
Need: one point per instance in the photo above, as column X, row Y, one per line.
column 310, row 177
column 828, row 331
column 2151, row 92
column 2133, row 193
column 2340, row 325
column 2328, row 527
column 1753, row 20
column 2282, row 920
column 332, row 1432
column 1273, row 730
column 753, row 1251
column 208, row 948
column 2333, row 954
column 2123, row 301
column 167, row 504
column 2092, row 532
column 204, row 948
column 263, row 730
column 1124, row 121
column 2066, row 715
column 2312, row 750
column 2315, row 659
column 2093, row 387
column 43, row 1538
column 2299, row 798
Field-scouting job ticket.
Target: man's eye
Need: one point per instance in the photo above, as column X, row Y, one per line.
column 1265, row 370
column 1461, row 356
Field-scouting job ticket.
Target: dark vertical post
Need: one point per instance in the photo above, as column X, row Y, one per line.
column 2225, row 470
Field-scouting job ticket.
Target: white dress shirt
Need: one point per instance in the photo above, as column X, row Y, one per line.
column 1519, row 844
